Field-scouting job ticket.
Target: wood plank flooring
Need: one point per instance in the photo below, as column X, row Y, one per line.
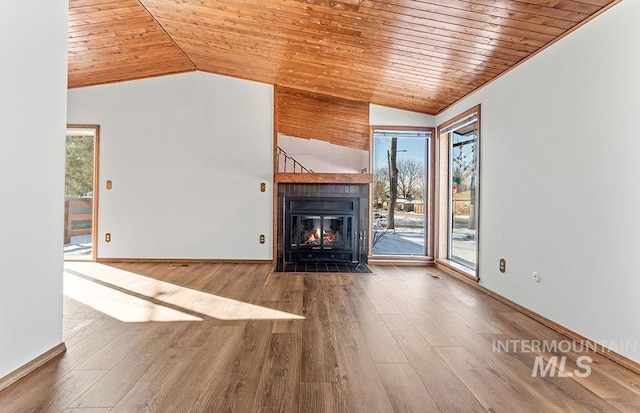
column 149, row 337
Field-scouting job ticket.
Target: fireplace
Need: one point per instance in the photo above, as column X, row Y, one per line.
column 321, row 229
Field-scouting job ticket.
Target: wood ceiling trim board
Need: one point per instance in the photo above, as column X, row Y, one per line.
column 123, row 76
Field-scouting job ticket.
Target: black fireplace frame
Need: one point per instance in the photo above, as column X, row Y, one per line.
column 347, row 208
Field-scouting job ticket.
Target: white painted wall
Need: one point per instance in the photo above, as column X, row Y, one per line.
column 386, row 116
column 186, row 154
column 320, row 156
column 559, row 164
column 33, row 81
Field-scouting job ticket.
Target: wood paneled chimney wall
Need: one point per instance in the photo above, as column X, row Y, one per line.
column 312, row 116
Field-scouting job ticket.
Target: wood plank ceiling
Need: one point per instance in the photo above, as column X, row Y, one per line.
column 419, row 55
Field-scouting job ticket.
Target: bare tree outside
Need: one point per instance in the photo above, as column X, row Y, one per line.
column 410, row 179
column 380, row 186
column 393, row 183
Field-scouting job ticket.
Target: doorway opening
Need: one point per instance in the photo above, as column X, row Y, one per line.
column 80, row 192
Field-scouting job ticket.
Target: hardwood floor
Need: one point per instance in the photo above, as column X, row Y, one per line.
column 238, row 338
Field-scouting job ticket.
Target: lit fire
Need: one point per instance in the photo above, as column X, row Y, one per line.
column 313, row 237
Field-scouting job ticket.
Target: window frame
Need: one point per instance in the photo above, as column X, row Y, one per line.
column 430, row 181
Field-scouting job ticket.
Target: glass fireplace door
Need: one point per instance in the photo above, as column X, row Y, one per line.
column 321, row 231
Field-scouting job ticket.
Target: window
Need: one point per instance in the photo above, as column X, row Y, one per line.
column 400, row 193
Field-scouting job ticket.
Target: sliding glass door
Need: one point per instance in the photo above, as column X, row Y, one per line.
column 461, row 140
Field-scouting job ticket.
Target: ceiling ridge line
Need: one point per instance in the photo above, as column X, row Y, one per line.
column 195, row 67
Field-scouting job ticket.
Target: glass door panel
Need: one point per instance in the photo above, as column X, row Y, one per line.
column 79, row 222
column 463, row 194
column 400, row 192
column 463, row 200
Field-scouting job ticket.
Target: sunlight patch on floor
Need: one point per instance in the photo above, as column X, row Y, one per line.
column 119, row 305
column 193, row 302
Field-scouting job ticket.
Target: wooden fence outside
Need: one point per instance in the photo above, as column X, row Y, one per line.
column 78, row 217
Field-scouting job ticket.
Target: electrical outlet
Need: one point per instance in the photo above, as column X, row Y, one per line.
column 107, row 237
column 503, row 265
column 262, row 239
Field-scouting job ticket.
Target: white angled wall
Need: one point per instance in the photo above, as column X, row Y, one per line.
column 33, row 82
column 386, row 116
column 559, row 169
column 186, row 154
column 321, row 156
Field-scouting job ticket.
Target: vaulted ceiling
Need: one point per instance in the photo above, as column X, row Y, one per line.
column 420, row 55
